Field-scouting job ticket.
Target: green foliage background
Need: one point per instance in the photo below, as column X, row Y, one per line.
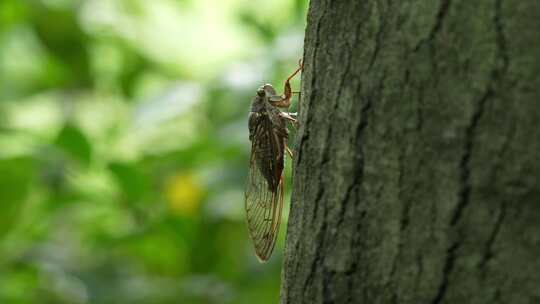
column 124, row 147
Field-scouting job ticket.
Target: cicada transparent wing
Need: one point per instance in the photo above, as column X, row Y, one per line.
column 264, row 189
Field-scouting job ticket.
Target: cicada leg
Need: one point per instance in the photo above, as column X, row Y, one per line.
column 284, row 101
column 289, row 151
column 293, row 115
column 290, row 117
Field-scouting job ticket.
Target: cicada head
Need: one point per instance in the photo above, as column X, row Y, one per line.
column 266, row 90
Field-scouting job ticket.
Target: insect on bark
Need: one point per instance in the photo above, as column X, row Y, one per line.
column 264, row 190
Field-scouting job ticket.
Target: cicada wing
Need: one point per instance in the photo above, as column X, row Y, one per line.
column 264, row 189
column 263, row 214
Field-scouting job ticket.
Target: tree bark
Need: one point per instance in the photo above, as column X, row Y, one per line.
column 417, row 172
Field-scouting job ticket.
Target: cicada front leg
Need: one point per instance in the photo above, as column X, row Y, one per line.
column 284, row 101
column 289, row 151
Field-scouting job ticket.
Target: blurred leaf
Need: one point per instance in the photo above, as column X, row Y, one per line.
column 60, row 33
column 11, row 12
column 162, row 251
column 53, row 175
column 73, row 142
column 16, row 284
column 263, row 28
column 15, row 178
column 133, row 66
column 132, row 182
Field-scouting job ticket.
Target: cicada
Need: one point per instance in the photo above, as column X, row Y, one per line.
column 268, row 134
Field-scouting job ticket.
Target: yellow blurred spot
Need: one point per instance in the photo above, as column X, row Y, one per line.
column 183, row 194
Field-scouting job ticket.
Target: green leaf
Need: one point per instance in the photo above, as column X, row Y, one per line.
column 62, row 37
column 132, row 182
column 16, row 175
column 74, row 143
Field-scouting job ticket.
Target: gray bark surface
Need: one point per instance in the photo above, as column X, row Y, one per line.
column 417, row 172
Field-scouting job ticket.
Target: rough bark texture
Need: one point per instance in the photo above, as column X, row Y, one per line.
column 417, row 174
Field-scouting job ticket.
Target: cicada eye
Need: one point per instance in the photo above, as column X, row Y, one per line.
column 260, row 92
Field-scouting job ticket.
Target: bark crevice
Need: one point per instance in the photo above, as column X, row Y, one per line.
column 464, row 163
column 439, row 19
column 378, row 36
column 496, row 74
column 488, row 250
column 447, row 270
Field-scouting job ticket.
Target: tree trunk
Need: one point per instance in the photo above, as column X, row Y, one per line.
column 417, row 173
